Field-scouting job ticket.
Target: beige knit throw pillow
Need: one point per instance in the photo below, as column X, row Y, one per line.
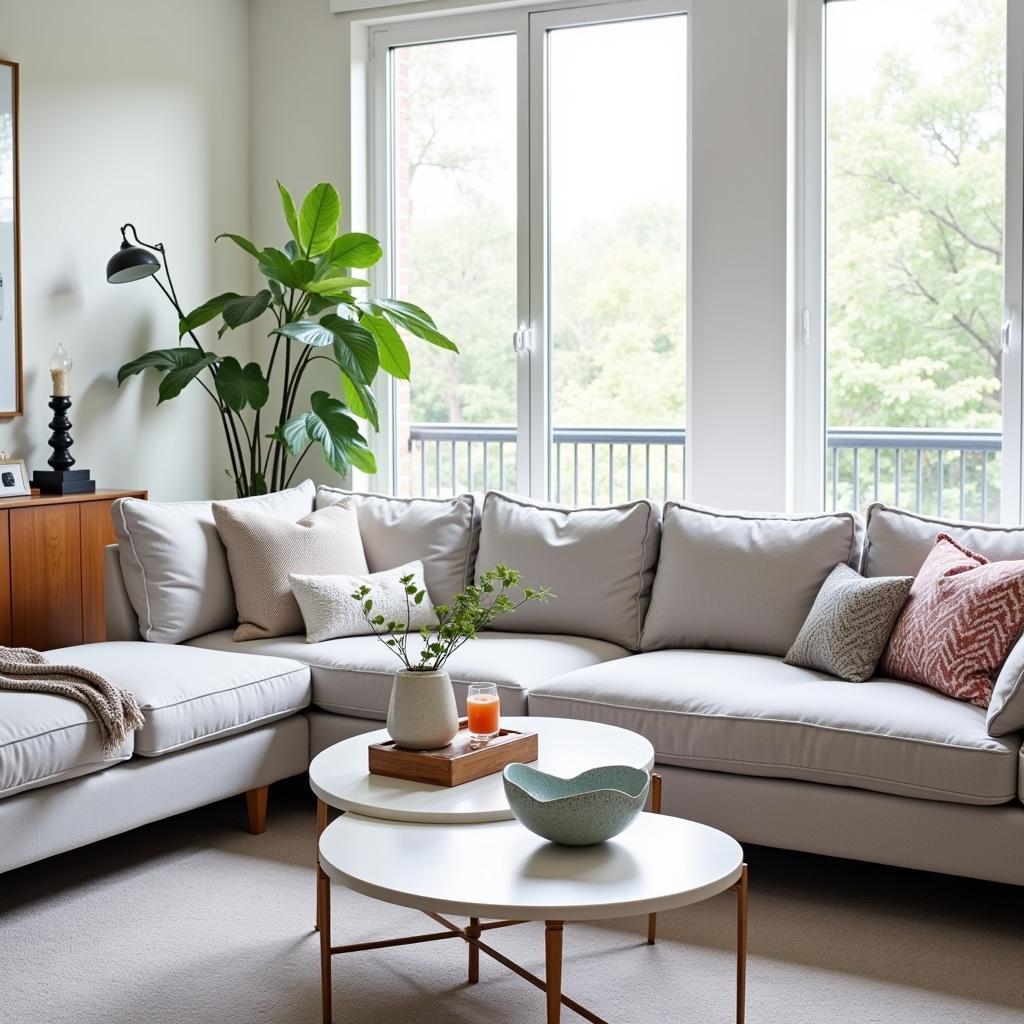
column 263, row 550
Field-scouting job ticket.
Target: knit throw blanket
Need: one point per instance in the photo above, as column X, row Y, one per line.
column 116, row 712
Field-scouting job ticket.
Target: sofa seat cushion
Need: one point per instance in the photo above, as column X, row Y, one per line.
column 190, row 696
column 46, row 739
column 352, row 676
column 754, row 715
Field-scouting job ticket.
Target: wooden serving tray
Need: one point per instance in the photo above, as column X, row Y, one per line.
column 457, row 763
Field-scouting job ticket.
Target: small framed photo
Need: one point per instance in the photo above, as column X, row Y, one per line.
column 13, row 479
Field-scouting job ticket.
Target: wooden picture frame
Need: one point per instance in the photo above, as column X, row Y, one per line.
column 14, row 482
column 11, row 383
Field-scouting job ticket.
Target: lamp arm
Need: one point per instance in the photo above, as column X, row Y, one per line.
column 156, row 247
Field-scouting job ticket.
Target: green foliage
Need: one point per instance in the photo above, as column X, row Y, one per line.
column 471, row 611
column 915, row 213
column 309, row 294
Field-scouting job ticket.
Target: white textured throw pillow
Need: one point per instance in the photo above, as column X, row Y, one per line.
column 329, row 611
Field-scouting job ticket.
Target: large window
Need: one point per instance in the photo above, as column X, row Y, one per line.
column 532, row 178
column 921, row 277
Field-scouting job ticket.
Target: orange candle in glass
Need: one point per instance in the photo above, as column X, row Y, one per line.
column 484, row 710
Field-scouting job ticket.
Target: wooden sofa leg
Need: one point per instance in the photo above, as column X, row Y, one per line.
column 256, row 805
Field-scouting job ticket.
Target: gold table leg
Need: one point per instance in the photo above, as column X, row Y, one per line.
column 323, row 913
column 321, row 824
column 740, row 889
column 473, row 932
column 553, row 969
column 652, row 919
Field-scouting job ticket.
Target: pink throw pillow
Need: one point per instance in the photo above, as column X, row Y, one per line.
column 963, row 616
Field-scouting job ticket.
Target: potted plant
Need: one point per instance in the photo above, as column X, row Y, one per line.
column 422, row 713
column 311, row 298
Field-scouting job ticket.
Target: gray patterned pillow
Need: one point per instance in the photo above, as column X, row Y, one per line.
column 849, row 624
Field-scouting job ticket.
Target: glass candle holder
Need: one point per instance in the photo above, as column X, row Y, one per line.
column 484, row 710
column 60, row 371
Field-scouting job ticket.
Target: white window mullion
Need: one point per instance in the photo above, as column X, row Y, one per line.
column 539, row 357
column 1013, row 243
column 807, row 318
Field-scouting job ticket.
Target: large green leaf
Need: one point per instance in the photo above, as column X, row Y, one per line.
column 309, row 332
column 336, row 285
column 394, row 356
column 318, row 303
column 318, row 219
column 241, row 242
column 246, row 308
column 360, row 399
column 288, row 205
column 175, row 381
column 354, row 249
column 277, row 266
column 414, row 320
column 329, row 425
column 204, row 313
column 162, row 359
column 361, row 457
column 355, row 347
column 239, row 386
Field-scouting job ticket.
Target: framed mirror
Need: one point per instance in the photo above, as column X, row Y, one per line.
column 10, row 249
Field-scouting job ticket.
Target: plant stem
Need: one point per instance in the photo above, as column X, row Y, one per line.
column 295, row 467
column 235, row 451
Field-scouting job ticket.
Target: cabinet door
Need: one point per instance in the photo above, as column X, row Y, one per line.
column 46, row 576
column 97, row 533
column 5, row 579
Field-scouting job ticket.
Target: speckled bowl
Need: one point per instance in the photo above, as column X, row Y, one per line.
column 590, row 808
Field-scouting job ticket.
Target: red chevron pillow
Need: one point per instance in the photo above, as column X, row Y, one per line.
column 963, row 616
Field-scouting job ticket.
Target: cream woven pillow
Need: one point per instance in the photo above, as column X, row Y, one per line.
column 329, row 611
column 263, row 551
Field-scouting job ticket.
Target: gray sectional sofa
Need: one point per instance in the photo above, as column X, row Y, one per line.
column 669, row 621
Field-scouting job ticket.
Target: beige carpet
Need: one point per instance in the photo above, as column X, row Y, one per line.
column 193, row 920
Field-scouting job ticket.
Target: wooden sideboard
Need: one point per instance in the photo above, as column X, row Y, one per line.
column 51, row 568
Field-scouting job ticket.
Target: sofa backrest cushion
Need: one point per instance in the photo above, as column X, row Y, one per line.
column 898, row 541
column 175, row 567
column 263, row 552
column 741, row 581
column 435, row 531
column 598, row 561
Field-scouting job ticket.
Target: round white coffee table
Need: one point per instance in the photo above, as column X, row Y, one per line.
column 339, row 775
column 659, row 863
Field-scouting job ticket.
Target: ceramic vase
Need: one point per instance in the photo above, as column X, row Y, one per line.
column 422, row 713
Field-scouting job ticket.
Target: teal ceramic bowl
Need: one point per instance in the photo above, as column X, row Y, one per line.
column 590, row 808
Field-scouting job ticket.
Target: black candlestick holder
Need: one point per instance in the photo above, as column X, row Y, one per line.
column 61, row 478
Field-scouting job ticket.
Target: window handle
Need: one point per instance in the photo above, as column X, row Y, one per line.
column 1006, row 333
column 522, row 338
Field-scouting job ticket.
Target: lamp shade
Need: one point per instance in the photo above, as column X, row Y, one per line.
column 131, row 263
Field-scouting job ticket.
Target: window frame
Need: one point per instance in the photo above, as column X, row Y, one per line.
column 529, row 24
column 807, row 147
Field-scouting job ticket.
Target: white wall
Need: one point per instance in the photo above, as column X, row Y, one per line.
column 130, row 110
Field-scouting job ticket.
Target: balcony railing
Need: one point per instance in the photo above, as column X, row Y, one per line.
column 588, row 464
column 937, row 472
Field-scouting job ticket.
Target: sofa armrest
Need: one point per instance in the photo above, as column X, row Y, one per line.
column 122, row 622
